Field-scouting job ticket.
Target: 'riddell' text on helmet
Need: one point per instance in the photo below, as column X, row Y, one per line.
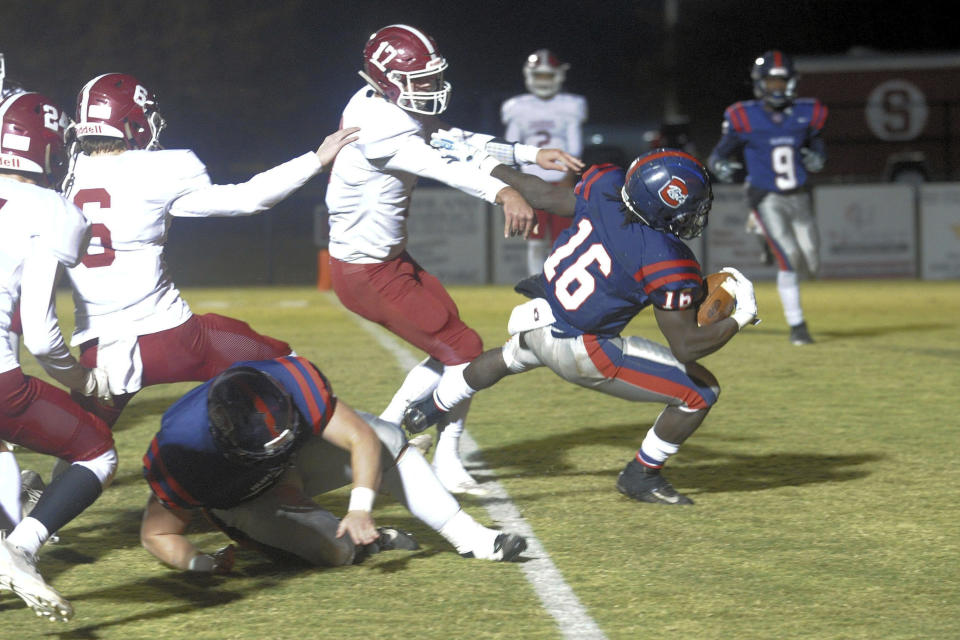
column 116, row 105
column 31, row 137
column 669, row 190
column 544, row 74
column 403, row 64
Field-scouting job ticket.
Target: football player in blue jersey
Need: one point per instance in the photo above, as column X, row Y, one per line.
column 779, row 138
column 623, row 252
column 250, row 449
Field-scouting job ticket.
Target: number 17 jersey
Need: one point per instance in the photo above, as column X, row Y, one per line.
column 603, row 272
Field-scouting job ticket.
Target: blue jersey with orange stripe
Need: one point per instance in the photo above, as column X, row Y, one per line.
column 603, row 271
column 770, row 141
column 184, row 467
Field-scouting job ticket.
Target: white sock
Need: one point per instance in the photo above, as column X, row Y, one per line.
column 789, row 288
column 453, row 388
column 447, row 454
column 655, row 450
column 466, row 534
column 29, row 535
column 420, row 381
column 10, row 486
column 536, row 254
column 413, row 482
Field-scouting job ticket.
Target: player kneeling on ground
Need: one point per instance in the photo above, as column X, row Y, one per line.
column 251, row 447
column 623, row 253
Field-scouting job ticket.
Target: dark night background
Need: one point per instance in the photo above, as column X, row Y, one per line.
column 249, row 84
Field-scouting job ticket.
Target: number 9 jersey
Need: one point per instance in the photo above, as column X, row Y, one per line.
column 607, row 267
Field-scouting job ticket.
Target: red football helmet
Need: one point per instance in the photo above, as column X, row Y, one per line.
column 116, row 105
column 544, row 73
column 404, row 64
column 31, row 137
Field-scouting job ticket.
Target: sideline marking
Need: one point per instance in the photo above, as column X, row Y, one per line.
column 555, row 594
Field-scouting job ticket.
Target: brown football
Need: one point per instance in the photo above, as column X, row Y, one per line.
column 720, row 301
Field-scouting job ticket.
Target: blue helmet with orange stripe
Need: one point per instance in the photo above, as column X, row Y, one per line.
column 774, row 79
column 252, row 418
column 669, row 190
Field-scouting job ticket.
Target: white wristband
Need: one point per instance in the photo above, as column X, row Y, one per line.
column 525, row 153
column 361, row 499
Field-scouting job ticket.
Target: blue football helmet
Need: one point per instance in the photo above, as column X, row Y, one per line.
column 774, row 64
column 669, row 190
column 252, row 418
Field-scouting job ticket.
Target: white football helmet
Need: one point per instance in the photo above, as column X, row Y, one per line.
column 544, row 73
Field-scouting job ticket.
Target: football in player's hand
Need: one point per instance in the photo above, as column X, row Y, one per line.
column 721, row 298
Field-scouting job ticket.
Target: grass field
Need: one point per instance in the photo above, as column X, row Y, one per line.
column 826, row 483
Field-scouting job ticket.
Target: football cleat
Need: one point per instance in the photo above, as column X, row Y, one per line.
column 506, row 548
column 422, row 414
column 422, row 443
column 647, row 485
column 799, row 335
column 390, row 540
column 18, row 573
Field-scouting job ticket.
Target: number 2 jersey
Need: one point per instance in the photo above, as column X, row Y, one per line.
column 603, row 272
column 554, row 123
column 122, row 287
column 771, row 141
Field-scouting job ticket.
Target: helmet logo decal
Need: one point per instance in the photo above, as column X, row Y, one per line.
column 383, row 55
column 140, row 95
column 674, row 193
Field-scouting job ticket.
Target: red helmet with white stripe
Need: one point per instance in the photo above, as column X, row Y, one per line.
column 544, row 73
column 31, row 137
column 116, row 105
column 403, row 63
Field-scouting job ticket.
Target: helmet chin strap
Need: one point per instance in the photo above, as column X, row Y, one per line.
column 371, row 82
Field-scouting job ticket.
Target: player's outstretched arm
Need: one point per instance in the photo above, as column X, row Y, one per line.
column 333, row 143
column 351, row 433
column 162, row 534
column 539, row 193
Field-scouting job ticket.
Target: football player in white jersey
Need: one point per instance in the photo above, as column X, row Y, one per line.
column 130, row 318
column 368, row 200
column 545, row 117
column 39, row 231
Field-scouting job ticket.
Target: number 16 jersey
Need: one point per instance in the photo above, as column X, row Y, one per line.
column 603, row 272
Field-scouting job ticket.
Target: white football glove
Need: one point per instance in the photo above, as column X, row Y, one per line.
column 458, row 144
column 95, row 383
column 725, row 169
column 466, row 146
column 812, row 161
column 746, row 311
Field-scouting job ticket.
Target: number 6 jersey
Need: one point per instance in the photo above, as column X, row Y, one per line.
column 122, row 287
column 603, row 271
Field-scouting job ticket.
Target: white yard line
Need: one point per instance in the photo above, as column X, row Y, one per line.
column 556, row 595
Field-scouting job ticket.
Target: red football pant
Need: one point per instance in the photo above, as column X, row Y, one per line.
column 42, row 418
column 402, row 297
column 197, row 350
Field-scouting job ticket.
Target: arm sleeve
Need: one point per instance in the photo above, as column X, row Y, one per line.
column 257, row 194
column 728, row 145
column 417, row 157
column 38, row 313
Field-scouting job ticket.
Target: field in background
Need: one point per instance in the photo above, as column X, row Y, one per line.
column 825, row 483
